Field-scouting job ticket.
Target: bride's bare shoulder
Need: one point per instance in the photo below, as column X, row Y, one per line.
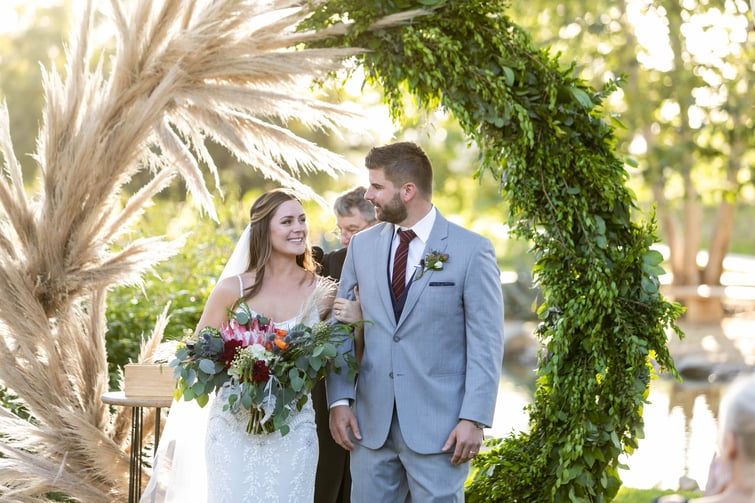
column 232, row 287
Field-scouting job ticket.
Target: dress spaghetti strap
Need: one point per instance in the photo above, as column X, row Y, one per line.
column 241, row 285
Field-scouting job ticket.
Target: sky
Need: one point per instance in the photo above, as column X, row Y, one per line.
column 8, row 18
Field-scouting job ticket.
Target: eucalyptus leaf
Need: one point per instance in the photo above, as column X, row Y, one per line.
column 246, row 401
column 297, row 383
column 315, row 362
column 242, row 317
column 207, row 366
column 190, row 377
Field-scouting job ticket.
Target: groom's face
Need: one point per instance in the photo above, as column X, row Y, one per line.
column 386, row 198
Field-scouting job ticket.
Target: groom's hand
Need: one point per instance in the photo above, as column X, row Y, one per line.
column 467, row 437
column 343, row 421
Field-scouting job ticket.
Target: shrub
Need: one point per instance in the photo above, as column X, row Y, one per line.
column 185, row 281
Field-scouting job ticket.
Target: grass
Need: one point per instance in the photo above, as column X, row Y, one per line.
column 629, row 495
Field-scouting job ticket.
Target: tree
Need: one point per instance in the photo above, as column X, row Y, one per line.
column 20, row 73
column 541, row 135
column 688, row 67
column 184, row 71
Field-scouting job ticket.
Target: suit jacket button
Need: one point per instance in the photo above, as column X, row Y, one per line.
column 396, row 338
column 390, row 375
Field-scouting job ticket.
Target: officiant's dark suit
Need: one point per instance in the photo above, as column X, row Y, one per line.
column 332, row 263
column 429, row 376
column 333, row 480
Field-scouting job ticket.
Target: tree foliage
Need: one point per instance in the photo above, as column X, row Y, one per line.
column 543, row 138
column 20, row 72
column 685, row 107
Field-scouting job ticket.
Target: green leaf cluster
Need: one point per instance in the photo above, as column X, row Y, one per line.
column 198, row 369
column 12, row 403
column 543, row 138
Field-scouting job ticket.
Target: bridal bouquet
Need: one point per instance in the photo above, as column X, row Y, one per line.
column 271, row 370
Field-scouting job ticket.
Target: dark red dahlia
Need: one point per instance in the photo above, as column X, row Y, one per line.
column 229, row 351
column 260, row 372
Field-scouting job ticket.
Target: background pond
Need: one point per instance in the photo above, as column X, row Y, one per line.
column 680, row 427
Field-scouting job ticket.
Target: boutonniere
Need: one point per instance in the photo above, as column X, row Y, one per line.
column 433, row 261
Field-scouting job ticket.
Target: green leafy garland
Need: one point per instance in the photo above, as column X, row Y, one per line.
column 542, row 136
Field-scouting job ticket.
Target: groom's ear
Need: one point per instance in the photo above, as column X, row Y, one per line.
column 408, row 191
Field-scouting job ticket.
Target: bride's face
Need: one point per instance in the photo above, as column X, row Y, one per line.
column 288, row 228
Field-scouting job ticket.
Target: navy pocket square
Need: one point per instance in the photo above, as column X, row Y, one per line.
column 442, row 283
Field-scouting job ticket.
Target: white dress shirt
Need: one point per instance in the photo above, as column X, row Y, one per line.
column 417, row 245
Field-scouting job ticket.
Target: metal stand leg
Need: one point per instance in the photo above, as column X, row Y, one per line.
column 137, row 404
column 135, row 468
column 157, row 429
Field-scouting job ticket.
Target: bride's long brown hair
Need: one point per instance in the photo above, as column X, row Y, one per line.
column 260, row 245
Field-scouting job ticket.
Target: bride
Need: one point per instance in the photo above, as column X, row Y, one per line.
column 205, row 454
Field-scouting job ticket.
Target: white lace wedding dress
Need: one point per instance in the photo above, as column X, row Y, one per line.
column 229, row 465
column 244, row 468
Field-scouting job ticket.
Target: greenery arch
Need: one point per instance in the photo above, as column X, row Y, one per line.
column 542, row 136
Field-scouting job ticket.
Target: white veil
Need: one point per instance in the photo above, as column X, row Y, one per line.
column 239, row 259
column 179, row 468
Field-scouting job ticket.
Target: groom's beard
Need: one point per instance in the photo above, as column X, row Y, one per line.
column 394, row 211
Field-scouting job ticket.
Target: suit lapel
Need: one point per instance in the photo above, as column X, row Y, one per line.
column 382, row 257
column 438, row 241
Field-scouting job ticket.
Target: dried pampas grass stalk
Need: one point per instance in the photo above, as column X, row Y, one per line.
column 181, row 72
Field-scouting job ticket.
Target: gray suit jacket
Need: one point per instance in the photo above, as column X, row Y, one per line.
column 441, row 361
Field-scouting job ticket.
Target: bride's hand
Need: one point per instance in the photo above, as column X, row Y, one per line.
column 347, row 311
column 350, row 311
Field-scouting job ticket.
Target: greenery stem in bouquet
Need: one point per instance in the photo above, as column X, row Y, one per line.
column 257, row 424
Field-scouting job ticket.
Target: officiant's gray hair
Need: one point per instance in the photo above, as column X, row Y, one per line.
column 353, row 199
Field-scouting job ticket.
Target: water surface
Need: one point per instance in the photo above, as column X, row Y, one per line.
column 680, row 427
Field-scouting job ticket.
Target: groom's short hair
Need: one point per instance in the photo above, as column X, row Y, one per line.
column 403, row 162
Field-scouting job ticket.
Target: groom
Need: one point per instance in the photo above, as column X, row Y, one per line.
column 429, row 376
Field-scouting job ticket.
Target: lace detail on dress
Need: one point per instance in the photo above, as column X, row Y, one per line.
column 251, row 468
column 239, row 467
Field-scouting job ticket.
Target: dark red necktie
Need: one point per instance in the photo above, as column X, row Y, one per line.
column 398, row 281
